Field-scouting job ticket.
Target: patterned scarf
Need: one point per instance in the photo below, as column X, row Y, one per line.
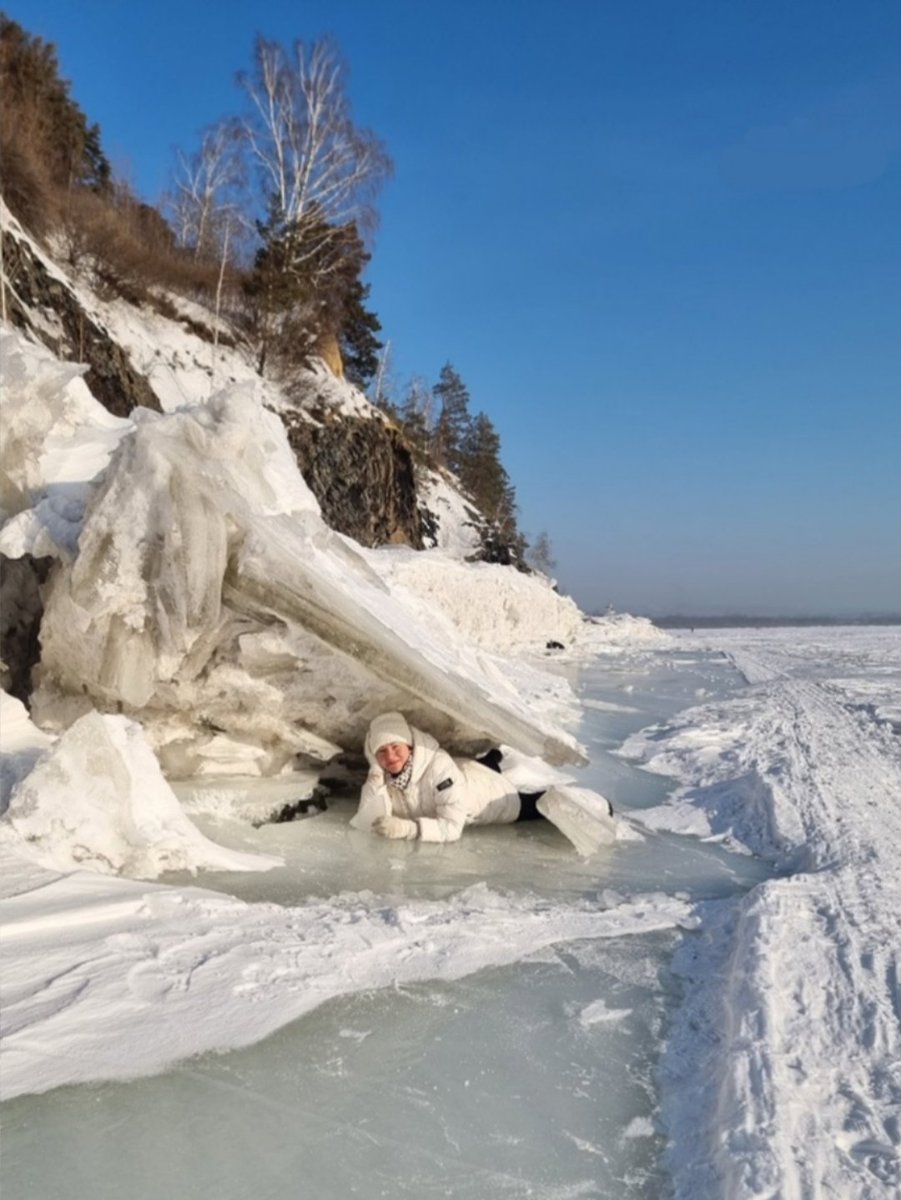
column 402, row 778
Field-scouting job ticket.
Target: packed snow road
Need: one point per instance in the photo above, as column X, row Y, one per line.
column 807, row 1066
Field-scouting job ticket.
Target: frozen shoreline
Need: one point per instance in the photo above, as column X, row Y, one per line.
column 89, row 958
column 792, row 1004
column 780, row 1075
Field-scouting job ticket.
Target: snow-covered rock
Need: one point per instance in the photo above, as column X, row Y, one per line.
column 455, row 525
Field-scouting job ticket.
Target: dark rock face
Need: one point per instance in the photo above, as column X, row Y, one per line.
column 428, row 525
column 361, row 471
column 111, row 378
column 21, row 609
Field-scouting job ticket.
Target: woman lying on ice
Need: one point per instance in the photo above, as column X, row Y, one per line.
column 416, row 790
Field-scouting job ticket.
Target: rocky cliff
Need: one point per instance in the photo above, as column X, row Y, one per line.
column 361, row 472
column 358, row 465
column 41, row 302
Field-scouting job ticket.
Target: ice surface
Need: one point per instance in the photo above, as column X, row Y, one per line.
column 489, row 1088
column 244, row 797
column 535, row 1078
column 199, row 971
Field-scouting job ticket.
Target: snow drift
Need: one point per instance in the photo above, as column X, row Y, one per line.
column 794, row 1089
column 493, row 606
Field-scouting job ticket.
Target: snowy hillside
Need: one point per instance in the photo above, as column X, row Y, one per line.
column 170, row 352
column 207, row 591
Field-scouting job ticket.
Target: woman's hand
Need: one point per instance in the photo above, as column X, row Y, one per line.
column 395, row 827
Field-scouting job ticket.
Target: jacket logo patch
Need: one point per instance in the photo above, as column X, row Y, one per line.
column 445, row 783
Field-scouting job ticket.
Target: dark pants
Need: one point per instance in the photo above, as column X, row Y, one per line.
column 527, row 800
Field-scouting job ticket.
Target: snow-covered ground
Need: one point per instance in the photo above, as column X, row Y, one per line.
column 793, row 1087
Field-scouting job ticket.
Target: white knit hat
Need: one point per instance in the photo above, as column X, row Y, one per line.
column 389, row 727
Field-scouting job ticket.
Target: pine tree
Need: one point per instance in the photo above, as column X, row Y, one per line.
column 359, row 344
column 305, row 288
column 415, row 413
column 281, row 298
column 481, row 471
column 453, row 419
column 39, row 113
column 508, row 527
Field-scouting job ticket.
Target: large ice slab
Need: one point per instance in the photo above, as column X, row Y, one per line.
column 209, row 599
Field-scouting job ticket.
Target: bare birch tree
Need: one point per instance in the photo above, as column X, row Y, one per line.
column 381, row 383
column 204, row 200
column 318, row 172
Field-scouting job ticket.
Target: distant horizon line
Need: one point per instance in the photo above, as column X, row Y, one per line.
column 738, row 619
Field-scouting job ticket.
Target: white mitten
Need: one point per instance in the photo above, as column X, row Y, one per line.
column 395, row 827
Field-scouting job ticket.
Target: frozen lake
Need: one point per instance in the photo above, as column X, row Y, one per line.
column 535, row 1079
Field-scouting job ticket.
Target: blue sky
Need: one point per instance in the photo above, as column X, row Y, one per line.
column 660, row 241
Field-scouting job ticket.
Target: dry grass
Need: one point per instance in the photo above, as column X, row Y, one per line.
column 124, row 244
column 24, row 184
column 129, row 248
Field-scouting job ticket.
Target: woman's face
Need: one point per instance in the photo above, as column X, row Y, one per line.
column 393, row 757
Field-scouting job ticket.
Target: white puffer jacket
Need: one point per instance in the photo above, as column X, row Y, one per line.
column 443, row 795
